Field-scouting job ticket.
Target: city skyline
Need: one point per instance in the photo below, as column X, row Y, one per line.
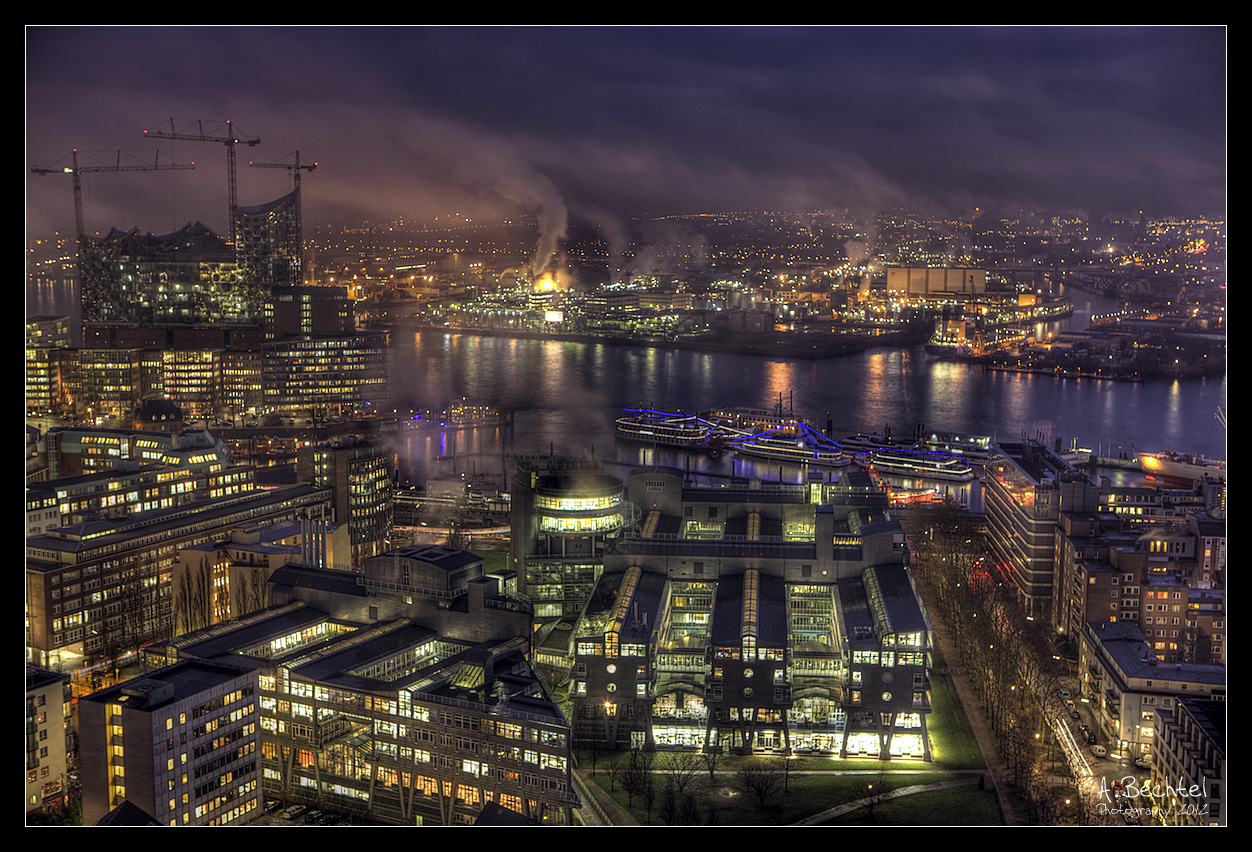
column 600, row 124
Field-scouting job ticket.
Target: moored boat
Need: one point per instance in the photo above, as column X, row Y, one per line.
column 792, row 442
column 918, row 463
column 669, row 429
column 1180, row 467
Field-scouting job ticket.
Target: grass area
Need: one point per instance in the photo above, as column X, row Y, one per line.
column 814, row 786
column 812, row 790
column 964, row 805
column 494, row 561
column 951, row 737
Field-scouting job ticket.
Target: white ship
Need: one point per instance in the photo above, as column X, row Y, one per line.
column 671, row 430
column 1181, row 467
column 918, row 463
column 792, row 442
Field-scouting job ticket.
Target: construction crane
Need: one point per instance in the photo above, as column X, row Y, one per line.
column 295, row 169
column 77, row 171
column 194, row 130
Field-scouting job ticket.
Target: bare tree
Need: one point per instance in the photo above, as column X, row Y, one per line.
column 682, row 769
column 712, row 756
column 760, row 779
column 873, row 792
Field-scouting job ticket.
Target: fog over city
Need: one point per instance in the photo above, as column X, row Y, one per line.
column 606, row 124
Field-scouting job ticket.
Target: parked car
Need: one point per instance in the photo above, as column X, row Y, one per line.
column 313, row 815
column 294, row 811
column 1143, row 763
column 1064, row 695
column 1099, row 751
column 273, row 805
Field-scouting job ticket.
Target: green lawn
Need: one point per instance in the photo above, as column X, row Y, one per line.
column 964, row 805
column 813, row 787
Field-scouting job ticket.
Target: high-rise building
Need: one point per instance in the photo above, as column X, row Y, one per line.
column 563, row 511
column 188, row 276
column 1027, row 487
column 180, row 743
column 359, row 475
column 1189, row 756
column 1125, row 684
column 267, row 241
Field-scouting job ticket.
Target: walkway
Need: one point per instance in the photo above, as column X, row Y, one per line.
column 848, row 807
column 997, row 770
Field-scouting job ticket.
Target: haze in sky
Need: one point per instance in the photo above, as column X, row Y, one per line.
column 609, row 123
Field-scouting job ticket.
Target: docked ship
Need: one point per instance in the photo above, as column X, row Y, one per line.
column 917, row 463
column 746, row 420
column 793, row 442
column 975, row 449
column 1180, row 467
column 949, row 340
column 671, row 430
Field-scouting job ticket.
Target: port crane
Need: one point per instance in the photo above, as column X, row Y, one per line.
column 195, row 130
column 76, row 170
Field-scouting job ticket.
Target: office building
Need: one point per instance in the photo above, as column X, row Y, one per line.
column 755, row 616
column 325, row 377
column 101, row 588
column 180, row 743
column 310, row 311
column 401, row 694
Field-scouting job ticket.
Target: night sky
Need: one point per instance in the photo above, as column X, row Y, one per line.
column 604, row 124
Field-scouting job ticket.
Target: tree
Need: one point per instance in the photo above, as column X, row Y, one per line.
column 761, row 779
column 873, row 793
column 251, row 591
column 712, row 756
column 682, row 770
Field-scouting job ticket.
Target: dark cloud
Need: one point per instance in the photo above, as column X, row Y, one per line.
column 615, row 122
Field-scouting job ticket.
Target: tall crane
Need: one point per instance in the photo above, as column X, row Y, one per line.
column 76, row 170
column 295, row 169
column 194, row 130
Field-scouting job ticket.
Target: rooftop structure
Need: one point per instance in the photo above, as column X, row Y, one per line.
column 754, row 617
column 1126, row 683
column 402, row 694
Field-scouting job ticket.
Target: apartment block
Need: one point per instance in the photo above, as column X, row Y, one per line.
column 180, row 743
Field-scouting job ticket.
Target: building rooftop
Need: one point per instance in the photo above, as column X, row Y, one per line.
column 1126, row 646
column 166, row 686
column 750, row 600
column 320, row 579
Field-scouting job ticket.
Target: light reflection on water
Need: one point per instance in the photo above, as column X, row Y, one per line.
column 565, row 396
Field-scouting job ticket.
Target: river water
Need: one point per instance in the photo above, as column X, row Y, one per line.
column 565, row 396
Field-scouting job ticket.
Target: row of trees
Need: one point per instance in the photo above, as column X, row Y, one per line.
column 197, row 604
column 677, row 785
column 1007, row 655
